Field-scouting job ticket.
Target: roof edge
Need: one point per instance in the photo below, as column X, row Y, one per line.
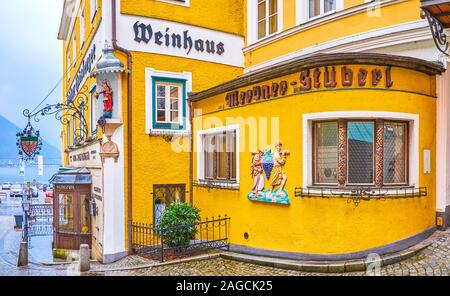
column 64, row 23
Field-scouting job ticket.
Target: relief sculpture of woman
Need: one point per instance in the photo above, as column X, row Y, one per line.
column 107, row 93
column 257, row 173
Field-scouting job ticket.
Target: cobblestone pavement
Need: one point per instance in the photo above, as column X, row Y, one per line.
column 434, row 260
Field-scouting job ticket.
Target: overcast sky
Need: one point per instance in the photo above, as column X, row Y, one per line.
column 30, row 60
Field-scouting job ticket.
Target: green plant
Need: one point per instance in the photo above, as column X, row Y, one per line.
column 177, row 224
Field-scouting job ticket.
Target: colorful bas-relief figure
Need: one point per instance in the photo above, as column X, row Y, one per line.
column 107, row 99
column 257, row 173
column 272, row 165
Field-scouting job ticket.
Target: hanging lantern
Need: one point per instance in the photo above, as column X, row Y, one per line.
column 29, row 142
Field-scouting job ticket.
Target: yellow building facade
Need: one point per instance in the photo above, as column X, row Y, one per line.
column 354, row 90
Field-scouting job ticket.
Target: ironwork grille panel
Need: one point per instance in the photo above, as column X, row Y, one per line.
column 40, row 221
column 394, row 152
column 326, row 152
column 164, row 195
column 360, row 152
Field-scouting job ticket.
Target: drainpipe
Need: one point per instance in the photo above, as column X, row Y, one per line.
column 129, row 126
column 191, row 154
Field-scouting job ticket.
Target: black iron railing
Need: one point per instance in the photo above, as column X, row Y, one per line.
column 151, row 241
column 40, row 220
column 361, row 193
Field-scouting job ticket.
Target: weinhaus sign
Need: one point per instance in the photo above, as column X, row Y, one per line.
column 145, row 33
column 168, row 38
column 314, row 79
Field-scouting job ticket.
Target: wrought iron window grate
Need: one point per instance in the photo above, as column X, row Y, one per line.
column 357, row 194
column 216, row 184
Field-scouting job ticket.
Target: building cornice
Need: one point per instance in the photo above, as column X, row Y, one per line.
column 65, row 21
column 378, row 38
column 300, row 64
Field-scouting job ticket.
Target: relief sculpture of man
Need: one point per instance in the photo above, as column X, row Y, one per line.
column 279, row 176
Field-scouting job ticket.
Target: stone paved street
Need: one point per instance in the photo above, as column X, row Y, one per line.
column 434, row 260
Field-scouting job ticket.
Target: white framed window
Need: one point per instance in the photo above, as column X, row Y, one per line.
column 308, row 10
column 69, row 63
column 68, row 134
column 74, row 129
column 93, row 117
column 74, row 50
column 82, row 26
column 93, row 10
column 265, row 18
column 166, row 95
column 169, row 99
column 400, row 148
column 218, row 154
column 82, row 123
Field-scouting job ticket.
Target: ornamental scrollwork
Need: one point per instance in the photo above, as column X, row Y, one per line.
column 438, row 32
column 65, row 113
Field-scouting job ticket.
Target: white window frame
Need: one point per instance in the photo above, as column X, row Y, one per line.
column 92, row 115
column 81, row 108
column 149, row 74
column 69, row 127
column 82, row 27
column 302, row 10
column 201, row 154
column 168, row 105
column 93, row 10
column 74, row 129
column 252, row 21
column 185, row 3
column 74, row 50
column 69, row 64
column 412, row 141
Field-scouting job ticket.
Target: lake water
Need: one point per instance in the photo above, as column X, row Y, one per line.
column 12, row 174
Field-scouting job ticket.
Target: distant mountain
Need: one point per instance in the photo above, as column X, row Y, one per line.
column 8, row 148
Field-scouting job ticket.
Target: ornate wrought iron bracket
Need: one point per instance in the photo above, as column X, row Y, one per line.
column 65, row 112
column 438, row 33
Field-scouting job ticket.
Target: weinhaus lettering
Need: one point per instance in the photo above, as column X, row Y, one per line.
column 145, row 33
column 313, row 79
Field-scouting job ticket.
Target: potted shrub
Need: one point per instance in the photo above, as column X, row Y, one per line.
column 177, row 224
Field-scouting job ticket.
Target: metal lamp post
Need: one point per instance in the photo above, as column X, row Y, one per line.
column 26, row 203
column 23, row 252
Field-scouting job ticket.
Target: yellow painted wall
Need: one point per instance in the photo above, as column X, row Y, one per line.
column 316, row 225
column 154, row 161
column 352, row 3
column 225, row 16
column 390, row 15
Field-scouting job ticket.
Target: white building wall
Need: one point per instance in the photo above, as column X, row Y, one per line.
column 114, row 204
